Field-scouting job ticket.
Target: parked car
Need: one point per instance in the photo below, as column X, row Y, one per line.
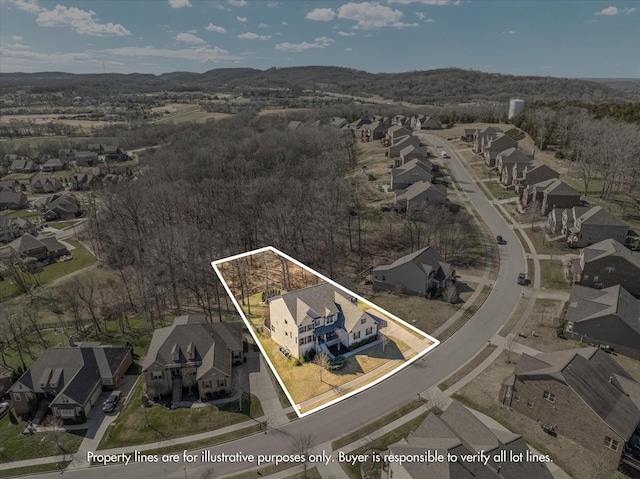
column 522, row 279
column 113, row 400
column 444, row 154
column 500, row 240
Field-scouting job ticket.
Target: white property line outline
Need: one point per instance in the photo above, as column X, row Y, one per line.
column 435, row 343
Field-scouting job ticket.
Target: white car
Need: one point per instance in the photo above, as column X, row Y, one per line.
column 444, row 154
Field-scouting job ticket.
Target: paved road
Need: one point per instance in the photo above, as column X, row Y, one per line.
column 391, row 393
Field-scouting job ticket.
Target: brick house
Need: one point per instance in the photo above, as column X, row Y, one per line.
column 193, row 354
column 481, row 137
column 530, row 174
column 419, row 194
column 493, row 146
column 411, row 172
column 584, row 395
column 608, row 263
column 508, row 159
column 608, row 316
column 69, row 380
column 460, row 433
column 400, row 144
column 549, row 194
column 586, row 227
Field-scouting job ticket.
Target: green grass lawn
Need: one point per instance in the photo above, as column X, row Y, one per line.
column 81, row 259
column 130, row 427
column 520, row 236
column 19, row 447
column 497, row 190
column 552, row 275
column 60, row 225
column 23, row 471
column 29, row 214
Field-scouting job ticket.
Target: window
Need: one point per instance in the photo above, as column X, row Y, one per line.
column 368, row 331
column 157, row 374
column 611, row 443
column 595, row 279
column 329, row 319
column 384, row 278
column 206, row 384
column 363, row 320
column 222, row 383
column 273, row 328
column 286, row 322
column 610, row 269
column 516, row 396
column 356, row 335
column 28, row 396
column 530, row 403
column 585, row 277
column 303, row 341
column 302, row 329
column 549, row 396
column 17, row 398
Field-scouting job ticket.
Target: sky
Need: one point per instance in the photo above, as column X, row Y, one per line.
column 560, row 38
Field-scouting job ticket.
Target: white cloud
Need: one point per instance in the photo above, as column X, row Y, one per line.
column 81, row 21
column 189, row 38
column 321, row 14
column 345, row 34
column 321, row 42
column 274, row 4
column 242, row 19
column 348, row 49
column 16, row 38
column 214, row 28
column 509, row 32
column 237, row 3
column 369, row 15
column 421, row 15
column 220, row 7
column 253, row 36
column 179, row 3
column 18, row 46
column 263, row 25
column 49, row 58
column 611, row 11
column 429, row 20
column 30, row 6
column 200, row 54
column 285, row 23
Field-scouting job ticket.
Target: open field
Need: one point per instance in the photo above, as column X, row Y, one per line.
column 482, row 395
column 131, row 427
column 18, row 447
column 197, row 116
column 281, row 111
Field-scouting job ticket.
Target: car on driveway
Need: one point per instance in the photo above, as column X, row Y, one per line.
column 522, row 279
column 113, row 400
column 4, row 409
column 500, row 240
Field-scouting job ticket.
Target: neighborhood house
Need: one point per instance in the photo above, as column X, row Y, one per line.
column 193, row 355
column 319, row 317
column 68, row 381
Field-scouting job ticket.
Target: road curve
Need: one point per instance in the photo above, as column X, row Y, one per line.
column 361, row 409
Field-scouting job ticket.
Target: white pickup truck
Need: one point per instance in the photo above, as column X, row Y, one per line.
column 444, row 154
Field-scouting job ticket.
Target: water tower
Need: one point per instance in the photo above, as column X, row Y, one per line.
column 515, row 108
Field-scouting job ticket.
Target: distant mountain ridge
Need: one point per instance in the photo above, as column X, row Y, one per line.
column 430, row 86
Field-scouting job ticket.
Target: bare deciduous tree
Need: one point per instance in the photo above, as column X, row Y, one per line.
column 322, row 360
column 302, row 444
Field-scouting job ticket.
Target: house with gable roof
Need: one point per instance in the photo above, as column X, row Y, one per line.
column 592, row 226
column 417, row 274
column 409, row 173
column 609, row 316
column 549, row 194
column 506, row 160
column 193, row 354
column 458, row 432
column 524, row 174
column 494, row 145
column 316, row 317
column 582, row 394
column 69, row 380
column 608, row 263
column 419, row 194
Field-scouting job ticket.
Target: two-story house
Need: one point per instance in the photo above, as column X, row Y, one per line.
column 530, row 173
column 548, row 195
column 608, row 263
column 411, row 172
column 318, row 316
column 507, row 160
column 592, row 226
column 482, row 137
column 582, row 394
column 609, row 316
column 418, row 273
column 194, row 355
column 420, row 194
column 493, row 146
